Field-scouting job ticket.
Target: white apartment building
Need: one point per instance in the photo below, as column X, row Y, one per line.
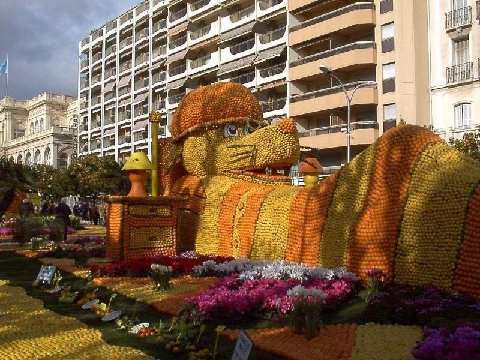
column 152, row 55
column 41, row 130
column 454, row 66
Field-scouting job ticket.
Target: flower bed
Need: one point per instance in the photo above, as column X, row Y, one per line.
column 460, row 342
column 141, row 267
column 406, row 304
column 267, row 289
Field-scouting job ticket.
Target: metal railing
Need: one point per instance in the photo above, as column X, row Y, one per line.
column 159, row 76
column 201, row 61
column 459, row 17
column 178, row 69
column 125, row 42
column 141, row 34
column 110, row 72
column 272, row 70
column 159, row 50
column 273, row 104
column 178, row 42
column 85, row 41
column 96, row 34
column 123, row 139
column 161, row 24
column 242, row 14
column 370, row 124
column 272, row 35
column 125, row 65
column 141, row 8
column 126, row 17
column 198, row 4
column 84, row 63
column 141, row 58
column 124, row 90
column 109, row 95
column 242, row 46
column 244, row 78
column 110, row 50
column 267, row 4
column 194, row 35
column 97, row 56
column 459, row 73
column 112, row 25
column 175, row 15
column 141, row 83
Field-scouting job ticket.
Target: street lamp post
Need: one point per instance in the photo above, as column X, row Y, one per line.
column 349, row 97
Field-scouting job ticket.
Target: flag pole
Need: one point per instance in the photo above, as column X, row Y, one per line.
column 7, row 75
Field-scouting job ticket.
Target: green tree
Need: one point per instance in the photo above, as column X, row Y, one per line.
column 53, row 183
column 93, row 175
column 469, row 144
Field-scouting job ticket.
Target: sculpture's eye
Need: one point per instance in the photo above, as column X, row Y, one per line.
column 230, row 130
column 250, row 128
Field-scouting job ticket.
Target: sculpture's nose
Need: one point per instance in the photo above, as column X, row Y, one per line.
column 287, row 126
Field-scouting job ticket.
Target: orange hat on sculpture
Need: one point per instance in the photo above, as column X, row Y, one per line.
column 214, row 104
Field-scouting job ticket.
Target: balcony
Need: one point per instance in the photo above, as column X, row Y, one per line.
column 96, row 123
column 331, row 137
column 141, row 34
column 238, row 18
column 266, row 7
column 459, row 73
column 140, row 135
column 109, row 119
column 156, row 2
column 173, row 100
column 159, row 51
column 124, row 115
column 158, row 105
column 95, row 145
column 96, row 100
column 125, row 42
column 96, row 79
column 199, row 6
column 125, row 19
column 238, row 50
column 160, row 25
column 109, row 96
column 124, row 139
column 272, row 38
column 177, row 44
column 142, row 58
column 83, row 104
column 97, row 34
column 110, row 50
column 112, row 25
column 83, row 127
column 110, row 73
column 458, row 18
column 85, row 42
column 125, row 66
column 246, row 79
column 141, row 109
column 346, row 56
column 83, row 84
column 203, row 33
column 124, row 90
column 141, row 83
column 159, row 76
column 177, row 70
column 108, row 141
column 329, row 99
column 83, row 63
column 272, row 73
column 204, row 62
column 274, row 107
column 178, row 16
column 347, row 17
column 96, row 57
column 141, row 8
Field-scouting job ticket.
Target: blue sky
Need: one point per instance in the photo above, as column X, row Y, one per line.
column 41, row 38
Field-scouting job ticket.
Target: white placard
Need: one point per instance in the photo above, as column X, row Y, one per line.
column 243, row 347
column 45, row 275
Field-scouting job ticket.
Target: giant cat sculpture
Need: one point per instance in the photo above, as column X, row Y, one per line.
column 409, row 204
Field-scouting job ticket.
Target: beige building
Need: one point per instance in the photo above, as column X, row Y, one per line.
column 40, row 130
column 455, row 68
column 379, row 49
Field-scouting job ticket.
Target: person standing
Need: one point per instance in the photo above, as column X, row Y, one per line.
column 62, row 213
column 26, row 209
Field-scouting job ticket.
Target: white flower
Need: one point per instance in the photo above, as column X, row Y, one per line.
column 161, row 268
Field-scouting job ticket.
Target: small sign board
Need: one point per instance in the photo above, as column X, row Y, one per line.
column 243, row 347
column 45, row 275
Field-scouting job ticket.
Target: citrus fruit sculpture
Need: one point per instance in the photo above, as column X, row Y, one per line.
column 408, row 205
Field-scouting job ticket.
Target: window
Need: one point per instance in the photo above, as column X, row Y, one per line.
column 459, row 4
column 388, row 33
column 386, row 6
column 388, row 71
column 389, row 116
column 462, row 114
column 461, row 53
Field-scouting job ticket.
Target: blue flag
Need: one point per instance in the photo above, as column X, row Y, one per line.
column 4, row 67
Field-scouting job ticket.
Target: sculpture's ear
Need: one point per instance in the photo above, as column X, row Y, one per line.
column 169, row 163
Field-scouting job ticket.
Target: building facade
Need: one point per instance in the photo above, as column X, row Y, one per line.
column 39, row 131
column 151, row 56
column 377, row 49
column 455, row 67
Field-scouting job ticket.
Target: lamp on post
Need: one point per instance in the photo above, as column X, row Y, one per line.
column 349, row 97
